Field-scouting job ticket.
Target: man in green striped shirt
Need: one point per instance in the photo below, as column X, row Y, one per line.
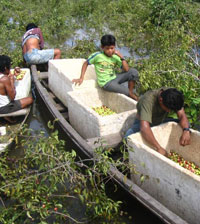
column 105, row 63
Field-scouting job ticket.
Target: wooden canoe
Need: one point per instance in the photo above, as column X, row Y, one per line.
column 8, row 131
column 56, row 110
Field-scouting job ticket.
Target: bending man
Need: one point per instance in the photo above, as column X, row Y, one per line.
column 153, row 108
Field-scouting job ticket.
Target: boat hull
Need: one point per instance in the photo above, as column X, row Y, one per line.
column 84, row 150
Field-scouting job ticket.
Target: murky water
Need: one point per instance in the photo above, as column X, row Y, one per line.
column 82, row 34
column 135, row 213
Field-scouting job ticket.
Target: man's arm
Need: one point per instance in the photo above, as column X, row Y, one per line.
column 148, row 135
column 183, row 121
column 124, row 62
column 83, row 70
column 9, row 87
column 41, row 38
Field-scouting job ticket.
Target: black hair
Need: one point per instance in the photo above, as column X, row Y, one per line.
column 5, row 62
column 31, row 26
column 172, row 99
column 108, row 40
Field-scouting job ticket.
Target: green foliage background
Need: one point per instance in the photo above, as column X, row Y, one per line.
column 163, row 33
column 166, row 31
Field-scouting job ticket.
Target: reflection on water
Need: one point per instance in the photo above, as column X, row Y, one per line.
column 82, row 34
column 36, row 122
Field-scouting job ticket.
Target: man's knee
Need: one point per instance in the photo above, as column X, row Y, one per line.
column 57, row 53
column 134, row 74
column 26, row 102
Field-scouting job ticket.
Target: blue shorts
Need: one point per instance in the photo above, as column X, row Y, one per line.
column 38, row 56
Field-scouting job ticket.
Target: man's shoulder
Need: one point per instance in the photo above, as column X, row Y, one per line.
column 149, row 97
column 93, row 55
column 31, row 32
column 4, row 80
column 3, row 77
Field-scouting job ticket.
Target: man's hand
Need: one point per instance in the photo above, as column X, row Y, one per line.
column 148, row 135
column 185, row 138
column 118, row 53
column 17, row 71
column 162, row 151
column 77, row 81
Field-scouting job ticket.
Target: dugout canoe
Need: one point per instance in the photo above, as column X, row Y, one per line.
column 8, row 131
column 55, row 110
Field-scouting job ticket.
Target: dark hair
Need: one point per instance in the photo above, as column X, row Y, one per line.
column 31, row 26
column 5, row 62
column 108, row 40
column 172, row 99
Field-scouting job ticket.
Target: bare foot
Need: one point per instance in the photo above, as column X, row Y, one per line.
column 10, row 120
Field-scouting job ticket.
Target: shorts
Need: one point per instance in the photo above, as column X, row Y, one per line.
column 36, row 56
column 11, row 107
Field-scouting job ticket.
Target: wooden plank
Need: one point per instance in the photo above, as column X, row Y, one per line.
column 65, row 115
column 16, row 113
column 42, row 75
column 45, row 84
column 60, row 107
column 52, row 95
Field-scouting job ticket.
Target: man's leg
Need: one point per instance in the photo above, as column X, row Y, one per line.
column 131, row 85
column 26, row 102
column 115, row 85
column 57, row 53
column 36, row 56
column 15, row 106
column 134, row 129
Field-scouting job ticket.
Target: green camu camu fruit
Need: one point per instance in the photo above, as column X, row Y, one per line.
column 103, row 110
column 182, row 162
column 21, row 75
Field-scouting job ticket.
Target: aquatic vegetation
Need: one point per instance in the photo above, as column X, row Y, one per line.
column 45, row 180
column 163, row 33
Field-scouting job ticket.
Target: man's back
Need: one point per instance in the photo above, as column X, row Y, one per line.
column 149, row 109
column 32, row 39
column 31, row 43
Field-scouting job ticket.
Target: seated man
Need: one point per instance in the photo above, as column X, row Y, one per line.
column 153, row 108
column 32, row 45
column 105, row 63
column 7, row 90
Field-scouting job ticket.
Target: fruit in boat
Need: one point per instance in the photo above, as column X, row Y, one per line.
column 103, row 110
column 184, row 163
column 21, row 75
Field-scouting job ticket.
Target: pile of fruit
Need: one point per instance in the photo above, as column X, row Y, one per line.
column 186, row 164
column 103, row 110
column 19, row 74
